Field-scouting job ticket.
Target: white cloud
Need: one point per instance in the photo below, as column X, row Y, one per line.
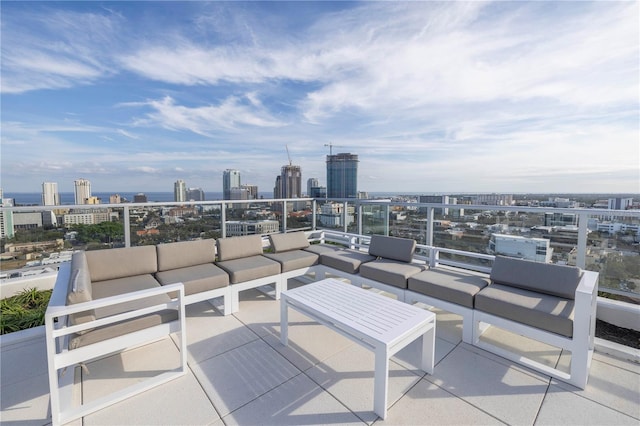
column 473, row 95
column 229, row 115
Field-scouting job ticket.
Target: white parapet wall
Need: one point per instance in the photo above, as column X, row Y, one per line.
column 14, row 286
column 621, row 314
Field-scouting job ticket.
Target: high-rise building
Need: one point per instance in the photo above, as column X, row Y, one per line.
column 179, row 191
column 311, row 183
column 50, row 194
column 230, row 179
column 82, row 190
column 6, row 218
column 140, row 198
column 195, row 194
column 252, row 191
column 290, row 181
column 342, row 175
column 277, row 188
column 115, row 199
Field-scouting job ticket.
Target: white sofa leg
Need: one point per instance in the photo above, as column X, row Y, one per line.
column 467, row 327
column 235, row 301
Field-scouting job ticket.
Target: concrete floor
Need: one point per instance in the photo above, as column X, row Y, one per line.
column 240, row 373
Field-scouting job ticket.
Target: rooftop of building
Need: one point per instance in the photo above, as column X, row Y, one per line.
column 240, row 373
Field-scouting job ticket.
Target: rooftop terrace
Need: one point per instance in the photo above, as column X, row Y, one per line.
column 240, row 373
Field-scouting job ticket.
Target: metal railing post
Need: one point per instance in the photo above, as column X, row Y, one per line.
column 314, row 206
column 581, row 255
column 387, row 209
column 429, row 236
column 344, row 217
column 127, row 227
column 285, row 213
column 359, row 219
column 223, row 219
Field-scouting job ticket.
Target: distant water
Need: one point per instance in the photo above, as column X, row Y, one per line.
column 35, row 198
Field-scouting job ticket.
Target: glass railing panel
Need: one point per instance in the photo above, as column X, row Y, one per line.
column 158, row 224
column 613, row 250
column 374, row 219
column 299, row 215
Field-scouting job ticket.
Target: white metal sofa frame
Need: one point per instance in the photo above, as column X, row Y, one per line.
column 580, row 344
column 352, row 243
column 60, row 357
column 475, row 322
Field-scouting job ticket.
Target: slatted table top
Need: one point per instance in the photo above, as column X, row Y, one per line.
column 378, row 317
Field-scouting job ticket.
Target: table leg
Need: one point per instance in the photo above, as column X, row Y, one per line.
column 284, row 321
column 428, row 349
column 381, row 381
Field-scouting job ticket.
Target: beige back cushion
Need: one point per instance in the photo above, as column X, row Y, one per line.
column 401, row 249
column 185, row 253
column 290, row 241
column 239, row 247
column 556, row 280
column 80, row 288
column 122, row 262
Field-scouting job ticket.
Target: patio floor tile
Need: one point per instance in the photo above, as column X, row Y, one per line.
column 239, row 376
column 349, row 375
column 298, row 401
column 495, row 388
column 583, row 411
column 209, row 333
column 428, row 404
column 180, row 401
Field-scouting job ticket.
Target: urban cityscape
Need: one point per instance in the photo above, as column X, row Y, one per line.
column 549, row 237
column 320, row 212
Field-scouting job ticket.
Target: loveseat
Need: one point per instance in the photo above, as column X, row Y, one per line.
column 554, row 304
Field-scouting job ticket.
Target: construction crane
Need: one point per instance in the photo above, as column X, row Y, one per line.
column 330, row 145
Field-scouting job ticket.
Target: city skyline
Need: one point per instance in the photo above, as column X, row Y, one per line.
column 432, row 96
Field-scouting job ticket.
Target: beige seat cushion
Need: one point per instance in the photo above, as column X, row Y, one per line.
column 323, row 248
column 451, row 286
column 126, row 285
column 346, row 260
column 390, row 272
column 121, row 328
column 294, row 259
column 120, row 286
column 539, row 310
column 249, row 268
column 196, row 279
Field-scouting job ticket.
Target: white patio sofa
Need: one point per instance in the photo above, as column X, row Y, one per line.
column 103, row 304
column 554, row 304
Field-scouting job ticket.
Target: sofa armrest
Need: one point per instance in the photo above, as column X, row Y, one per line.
column 61, row 311
column 586, row 301
column 588, row 284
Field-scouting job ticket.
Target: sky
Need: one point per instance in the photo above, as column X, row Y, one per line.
column 432, row 96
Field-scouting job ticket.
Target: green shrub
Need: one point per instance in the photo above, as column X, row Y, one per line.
column 24, row 310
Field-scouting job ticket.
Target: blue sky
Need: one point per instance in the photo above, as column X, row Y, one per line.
column 432, row 96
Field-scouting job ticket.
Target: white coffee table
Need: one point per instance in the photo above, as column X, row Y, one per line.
column 380, row 324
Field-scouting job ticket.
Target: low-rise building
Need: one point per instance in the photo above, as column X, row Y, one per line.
column 536, row 249
column 252, row 227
